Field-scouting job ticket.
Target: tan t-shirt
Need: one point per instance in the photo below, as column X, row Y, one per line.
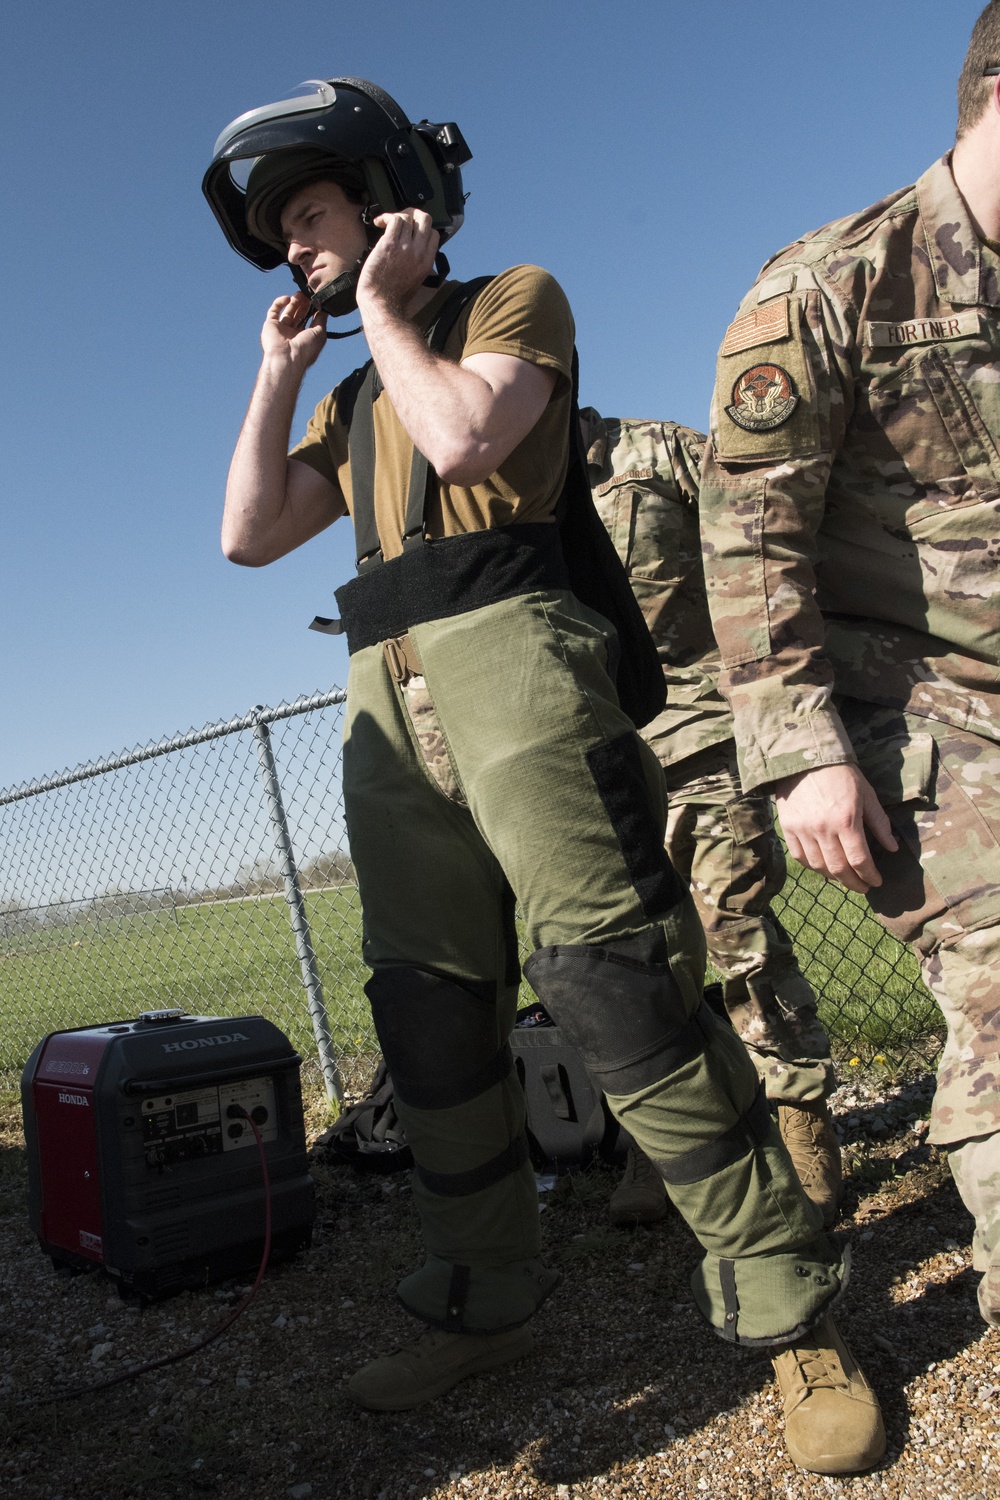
column 523, row 312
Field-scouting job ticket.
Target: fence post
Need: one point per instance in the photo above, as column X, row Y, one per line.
column 297, row 913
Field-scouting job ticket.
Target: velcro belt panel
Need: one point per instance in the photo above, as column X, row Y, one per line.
column 461, row 1184
column 620, row 1014
column 438, row 1036
column 750, row 1131
column 450, row 576
column 621, row 785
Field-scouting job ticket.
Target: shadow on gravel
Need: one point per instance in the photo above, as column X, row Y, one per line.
column 661, row 1377
column 899, row 1331
column 624, row 1367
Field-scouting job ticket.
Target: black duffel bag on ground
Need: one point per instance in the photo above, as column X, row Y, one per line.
column 569, row 1122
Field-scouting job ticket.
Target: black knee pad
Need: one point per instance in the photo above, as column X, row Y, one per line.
column 438, row 1036
column 620, row 1006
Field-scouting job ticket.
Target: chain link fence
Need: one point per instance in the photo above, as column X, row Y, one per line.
column 211, row 871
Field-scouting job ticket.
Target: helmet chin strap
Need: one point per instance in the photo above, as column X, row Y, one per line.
column 339, row 297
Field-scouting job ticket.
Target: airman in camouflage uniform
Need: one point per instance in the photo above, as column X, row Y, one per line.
column 850, row 509
column 645, row 477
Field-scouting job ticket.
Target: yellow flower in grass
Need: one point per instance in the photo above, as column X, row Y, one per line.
column 855, row 1062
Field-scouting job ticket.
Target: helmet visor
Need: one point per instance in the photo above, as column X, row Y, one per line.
column 314, row 94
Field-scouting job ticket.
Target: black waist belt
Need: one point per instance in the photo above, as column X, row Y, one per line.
column 450, row 576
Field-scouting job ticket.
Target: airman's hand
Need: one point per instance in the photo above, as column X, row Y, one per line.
column 289, row 332
column 400, row 261
column 824, row 814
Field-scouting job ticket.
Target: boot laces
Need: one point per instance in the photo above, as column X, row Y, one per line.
column 821, row 1369
column 806, row 1132
column 638, row 1168
column 424, row 1343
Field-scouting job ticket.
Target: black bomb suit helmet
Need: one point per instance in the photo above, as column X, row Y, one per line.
column 346, row 129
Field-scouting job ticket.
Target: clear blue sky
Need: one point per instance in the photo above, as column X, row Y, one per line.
column 651, row 153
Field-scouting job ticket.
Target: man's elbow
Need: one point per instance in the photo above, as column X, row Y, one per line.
column 465, row 463
column 244, row 553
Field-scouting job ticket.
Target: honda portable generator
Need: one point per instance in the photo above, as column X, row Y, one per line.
column 141, row 1157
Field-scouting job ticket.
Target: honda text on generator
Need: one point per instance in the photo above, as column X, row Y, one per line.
column 141, row 1157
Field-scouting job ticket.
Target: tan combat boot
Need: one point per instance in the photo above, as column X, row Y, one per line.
column 432, row 1364
column 640, row 1197
column 832, row 1420
column 807, row 1131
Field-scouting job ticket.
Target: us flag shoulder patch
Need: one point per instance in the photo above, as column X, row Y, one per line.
column 762, row 325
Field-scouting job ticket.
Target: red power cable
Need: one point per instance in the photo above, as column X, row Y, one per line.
column 227, row 1322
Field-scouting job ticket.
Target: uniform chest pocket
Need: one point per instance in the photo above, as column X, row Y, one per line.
column 951, row 377
column 655, row 536
column 617, row 508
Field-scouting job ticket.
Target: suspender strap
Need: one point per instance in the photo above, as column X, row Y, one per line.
column 422, row 476
column 356, row 406
column 361, row 452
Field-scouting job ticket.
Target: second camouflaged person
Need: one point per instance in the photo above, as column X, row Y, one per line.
column 645, row 477
column 850, row 507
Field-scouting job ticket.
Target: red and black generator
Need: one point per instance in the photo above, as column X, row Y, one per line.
column 141, row 1158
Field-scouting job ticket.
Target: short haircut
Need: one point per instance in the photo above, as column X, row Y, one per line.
column 975, row 91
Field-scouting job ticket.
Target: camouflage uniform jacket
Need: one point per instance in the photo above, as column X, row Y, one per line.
column 644, row 477
column 850, row 497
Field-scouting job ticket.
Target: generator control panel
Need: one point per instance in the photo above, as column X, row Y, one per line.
column 207, row 1121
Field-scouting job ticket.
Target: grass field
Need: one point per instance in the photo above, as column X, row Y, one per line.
column 238, row 957
column 220, row 958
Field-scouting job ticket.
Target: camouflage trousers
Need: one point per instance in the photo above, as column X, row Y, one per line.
column 941, row 894
column 725, row 845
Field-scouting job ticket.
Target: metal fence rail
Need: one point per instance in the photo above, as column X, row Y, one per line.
column 211, row 871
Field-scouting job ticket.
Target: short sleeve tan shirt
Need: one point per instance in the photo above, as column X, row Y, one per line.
column 523, row 312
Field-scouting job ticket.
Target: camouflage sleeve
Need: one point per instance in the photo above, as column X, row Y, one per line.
column 783, row 398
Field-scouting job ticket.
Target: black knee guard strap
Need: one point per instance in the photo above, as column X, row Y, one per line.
column 623, row 1013
column 621, row 785
column 749, row 1132
column 461, row 1184
column 438, row 1036
column 458, row 1294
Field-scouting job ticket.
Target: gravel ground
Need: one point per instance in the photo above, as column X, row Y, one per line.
column 627, row 1395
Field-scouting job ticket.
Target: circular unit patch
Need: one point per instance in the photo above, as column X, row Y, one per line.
column 763, row 398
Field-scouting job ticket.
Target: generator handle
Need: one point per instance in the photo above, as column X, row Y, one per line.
column 133, row 1086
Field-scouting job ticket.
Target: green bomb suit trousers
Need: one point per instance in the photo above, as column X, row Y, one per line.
column 560, row 806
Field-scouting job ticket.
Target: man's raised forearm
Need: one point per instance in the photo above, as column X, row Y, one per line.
column 256, row 488
column 445, row 409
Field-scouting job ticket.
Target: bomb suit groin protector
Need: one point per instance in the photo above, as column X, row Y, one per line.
column 347, row 129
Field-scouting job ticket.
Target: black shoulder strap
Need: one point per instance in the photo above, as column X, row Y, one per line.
column 347, row 393
column 356, row 410
column 361, row 454
column 598, row 579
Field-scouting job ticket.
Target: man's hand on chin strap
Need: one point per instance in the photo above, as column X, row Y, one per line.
column 399, row 262
column 290, row 333
column 824, row 814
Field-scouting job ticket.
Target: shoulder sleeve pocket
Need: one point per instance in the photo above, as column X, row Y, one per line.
column 765, row 398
